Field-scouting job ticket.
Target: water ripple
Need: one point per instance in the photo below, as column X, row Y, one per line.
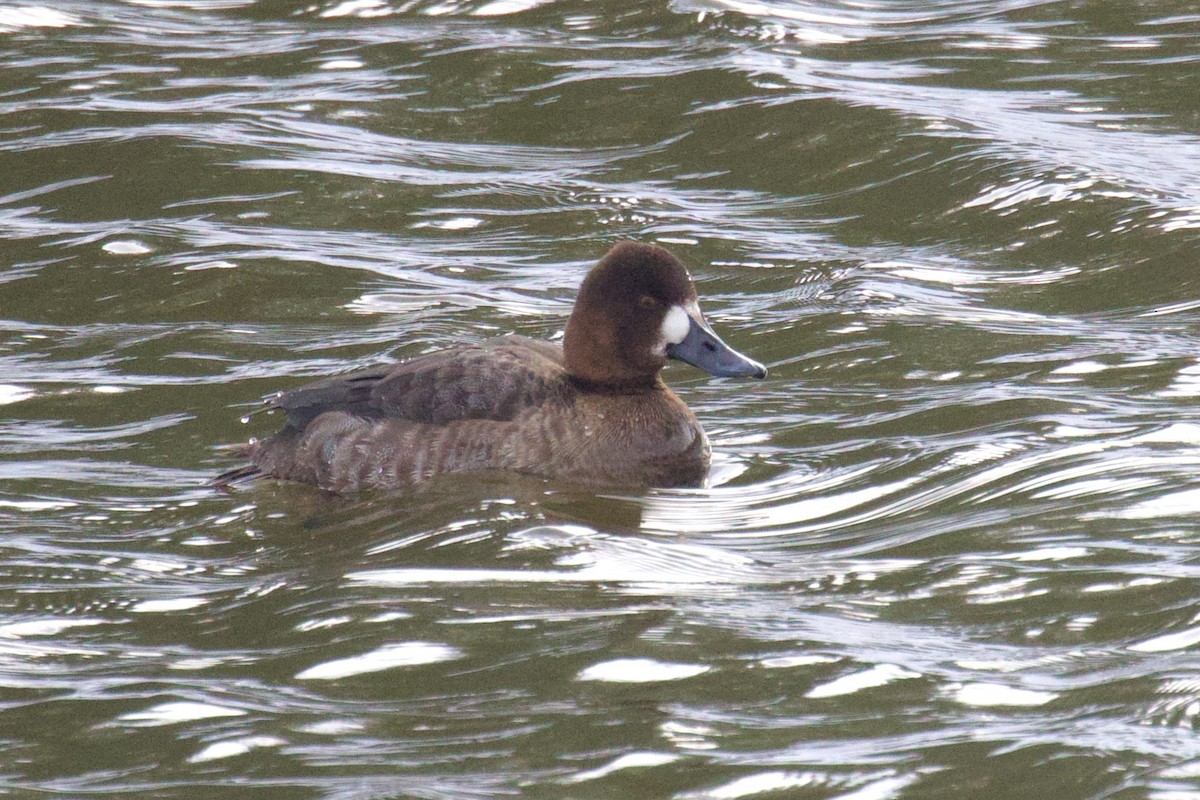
column 947, row 541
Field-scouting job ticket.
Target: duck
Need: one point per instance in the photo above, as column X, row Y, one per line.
column 593, row 410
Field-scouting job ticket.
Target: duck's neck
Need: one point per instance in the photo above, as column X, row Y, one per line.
column 593, row 358
column 653, row 383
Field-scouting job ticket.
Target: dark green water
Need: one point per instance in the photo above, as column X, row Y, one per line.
column 950, row 544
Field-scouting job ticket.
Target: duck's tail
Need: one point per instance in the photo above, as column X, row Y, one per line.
column 227, row 479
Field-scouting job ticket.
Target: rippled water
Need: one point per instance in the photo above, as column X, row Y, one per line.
column 949, row 547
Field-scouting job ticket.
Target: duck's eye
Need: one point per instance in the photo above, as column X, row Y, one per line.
column 649, row 303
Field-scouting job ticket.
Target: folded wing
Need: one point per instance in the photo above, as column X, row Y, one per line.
column 494, row 380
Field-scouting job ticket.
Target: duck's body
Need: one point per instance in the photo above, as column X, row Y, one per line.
column 594, row 410
column 506, row 404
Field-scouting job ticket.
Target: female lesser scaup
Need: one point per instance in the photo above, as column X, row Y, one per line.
column 594, row 410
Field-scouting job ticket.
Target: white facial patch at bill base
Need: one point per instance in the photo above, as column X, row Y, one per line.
column 675, row 325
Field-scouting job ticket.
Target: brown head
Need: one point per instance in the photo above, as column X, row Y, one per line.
column 635, row 309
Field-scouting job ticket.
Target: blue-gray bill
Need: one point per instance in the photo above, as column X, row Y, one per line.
column 704, row 349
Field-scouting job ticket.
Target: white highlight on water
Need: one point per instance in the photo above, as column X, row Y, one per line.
column 627, row 761
column 233, row 747
column 171, row 713
column 879, row 675
column 13, row 393
column 45, row 627
column 640, row 670
column 12, row 19
column 994, row 694
column 172, row 604
column 402, row 654
column 1180, row 640
column 127, row 247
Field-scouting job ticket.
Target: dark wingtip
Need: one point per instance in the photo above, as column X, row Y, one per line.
column 227, row 479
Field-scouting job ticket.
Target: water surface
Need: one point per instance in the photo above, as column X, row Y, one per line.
column 948, row 546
